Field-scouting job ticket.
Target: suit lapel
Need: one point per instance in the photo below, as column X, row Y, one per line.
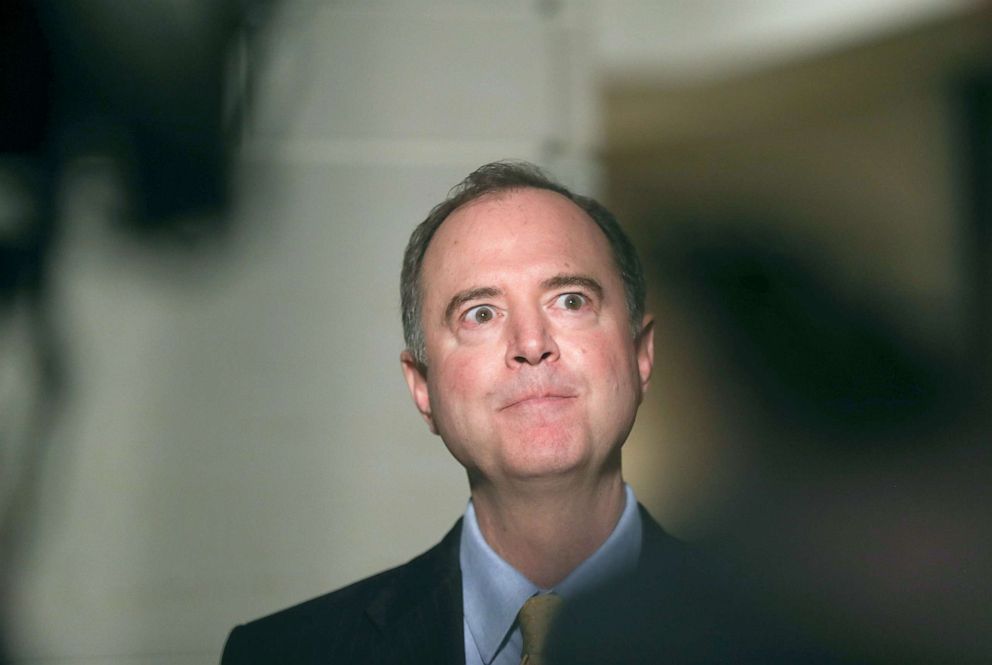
column 421, row 611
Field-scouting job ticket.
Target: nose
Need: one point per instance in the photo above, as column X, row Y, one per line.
column 531, row 340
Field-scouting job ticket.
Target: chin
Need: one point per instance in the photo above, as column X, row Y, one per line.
column 545, row 456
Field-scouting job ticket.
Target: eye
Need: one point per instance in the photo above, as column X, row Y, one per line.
column 571, row 301
column 479, row 315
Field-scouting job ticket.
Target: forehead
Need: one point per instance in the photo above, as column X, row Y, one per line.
column 505, row 234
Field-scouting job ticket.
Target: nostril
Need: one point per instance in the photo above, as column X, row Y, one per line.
column 525, row 360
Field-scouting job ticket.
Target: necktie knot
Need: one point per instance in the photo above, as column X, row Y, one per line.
column 535, row 619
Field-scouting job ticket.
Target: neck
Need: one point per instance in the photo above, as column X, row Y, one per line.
column 546, row 528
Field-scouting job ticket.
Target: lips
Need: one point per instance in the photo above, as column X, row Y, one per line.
column 538, row 399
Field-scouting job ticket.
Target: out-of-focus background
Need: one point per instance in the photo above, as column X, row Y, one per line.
column 202, row 212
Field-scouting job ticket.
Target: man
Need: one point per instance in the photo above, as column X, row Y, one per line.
column 528, row 351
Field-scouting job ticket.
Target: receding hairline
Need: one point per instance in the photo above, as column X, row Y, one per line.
column 502, row 194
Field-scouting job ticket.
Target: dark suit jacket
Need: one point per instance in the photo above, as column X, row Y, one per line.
column 409, row 614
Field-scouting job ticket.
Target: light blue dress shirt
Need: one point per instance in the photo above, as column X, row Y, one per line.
column 493, row 591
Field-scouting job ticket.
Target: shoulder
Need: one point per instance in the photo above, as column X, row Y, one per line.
column 350, row 620
column 316, row 626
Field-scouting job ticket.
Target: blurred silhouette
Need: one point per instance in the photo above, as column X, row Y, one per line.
column 146, row 85
column 27, row 230
column 859, row 532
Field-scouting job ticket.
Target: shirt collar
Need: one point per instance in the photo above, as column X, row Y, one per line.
column 493, row 591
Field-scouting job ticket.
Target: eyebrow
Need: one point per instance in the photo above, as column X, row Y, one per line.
column 562, row 280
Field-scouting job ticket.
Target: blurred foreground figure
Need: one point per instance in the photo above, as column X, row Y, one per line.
column 860, row 531
column 85, row 79
column 30, row 381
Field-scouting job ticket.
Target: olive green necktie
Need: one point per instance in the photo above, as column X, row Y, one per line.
column 535, row 619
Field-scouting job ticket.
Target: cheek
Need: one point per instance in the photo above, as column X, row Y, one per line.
column 460, row 379
column 614, row 361
column 603, row 346
column 467, row 372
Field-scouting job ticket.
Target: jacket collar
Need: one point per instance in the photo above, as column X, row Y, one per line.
column 420, row 608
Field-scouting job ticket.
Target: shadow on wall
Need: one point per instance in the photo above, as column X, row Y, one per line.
column 87, row 78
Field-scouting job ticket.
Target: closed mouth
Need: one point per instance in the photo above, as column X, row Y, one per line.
column 538, row 400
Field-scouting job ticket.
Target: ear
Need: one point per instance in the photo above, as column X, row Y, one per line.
column 416, row 381
column 645, row 351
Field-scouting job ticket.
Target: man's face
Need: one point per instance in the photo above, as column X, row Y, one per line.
column 532, row 368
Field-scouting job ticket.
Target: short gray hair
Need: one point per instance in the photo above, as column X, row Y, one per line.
column 494, row 178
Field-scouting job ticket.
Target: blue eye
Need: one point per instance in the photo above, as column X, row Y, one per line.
column 571, row 301
column 480, row 314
